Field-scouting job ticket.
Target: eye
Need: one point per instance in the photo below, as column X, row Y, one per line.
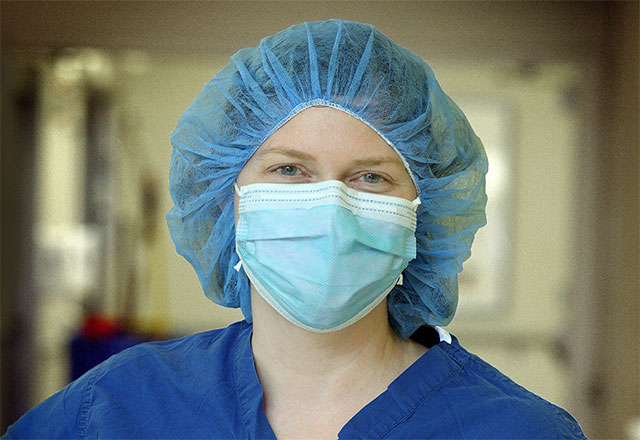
column 370, row 178
column 288, row 170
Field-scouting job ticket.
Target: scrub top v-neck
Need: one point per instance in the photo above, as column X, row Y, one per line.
column 206, row 386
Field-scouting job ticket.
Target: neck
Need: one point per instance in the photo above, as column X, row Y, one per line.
column 292, row 362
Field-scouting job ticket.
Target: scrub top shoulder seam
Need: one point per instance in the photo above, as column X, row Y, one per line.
column 481, row 367
column 424, row 398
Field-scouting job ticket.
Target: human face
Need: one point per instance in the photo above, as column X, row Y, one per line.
column 322, row 143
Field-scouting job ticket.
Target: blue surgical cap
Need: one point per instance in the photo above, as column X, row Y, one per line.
column 354, row 68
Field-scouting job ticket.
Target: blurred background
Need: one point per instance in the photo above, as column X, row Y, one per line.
column 92, row 90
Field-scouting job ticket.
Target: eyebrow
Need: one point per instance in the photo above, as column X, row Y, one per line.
column 378, row 161
column 297, row 154
column 290, row 152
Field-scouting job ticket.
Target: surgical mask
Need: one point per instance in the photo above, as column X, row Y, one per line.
column 322, row 254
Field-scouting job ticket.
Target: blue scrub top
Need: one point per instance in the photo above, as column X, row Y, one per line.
column 206, row 386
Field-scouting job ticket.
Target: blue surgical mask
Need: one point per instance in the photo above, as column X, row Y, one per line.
column 322, row 254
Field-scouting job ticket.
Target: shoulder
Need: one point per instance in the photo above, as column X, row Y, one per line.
column 136, row 384
column 185, row 353
column 150, row 365
column 484, row 403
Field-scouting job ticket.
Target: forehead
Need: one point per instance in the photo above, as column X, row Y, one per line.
column 328, row 132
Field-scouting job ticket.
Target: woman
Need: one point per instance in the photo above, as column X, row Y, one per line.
column 326, row 185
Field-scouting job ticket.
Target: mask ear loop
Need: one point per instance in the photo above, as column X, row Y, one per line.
column 237, row 189
column 416, row 202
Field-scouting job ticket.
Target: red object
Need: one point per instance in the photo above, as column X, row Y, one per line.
column 100, row 327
